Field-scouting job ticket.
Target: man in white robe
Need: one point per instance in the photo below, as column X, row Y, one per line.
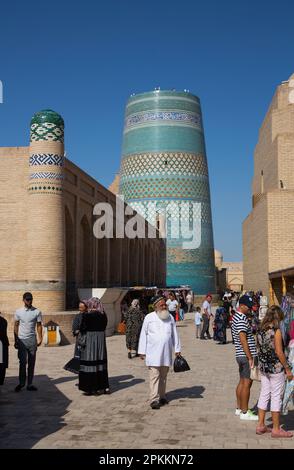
column 157, row 341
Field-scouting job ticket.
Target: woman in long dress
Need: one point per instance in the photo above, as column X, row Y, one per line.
column 134, row 320
column 74, row 364
column 4, row 343
column 220, row 323
column 93, row 374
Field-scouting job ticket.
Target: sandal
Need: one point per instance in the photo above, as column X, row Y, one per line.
column 263, row 429
column 282, row 433
column 107, row 391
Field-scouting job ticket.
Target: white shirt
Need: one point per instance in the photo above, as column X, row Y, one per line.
column 172, row 305
column 206, row 305
column 157, row 340
column 198, row 318
column 189, row 299
column 27, row 317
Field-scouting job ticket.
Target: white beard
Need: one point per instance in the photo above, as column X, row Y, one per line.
column 163, row 314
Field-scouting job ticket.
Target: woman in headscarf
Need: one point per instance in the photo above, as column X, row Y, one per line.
column 93, row 374
column 74, row 364
column 220, row 322
column 4, row 344
column 134, row 320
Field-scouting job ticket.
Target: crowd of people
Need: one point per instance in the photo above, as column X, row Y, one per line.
column 177, row 304
column 181, row 301
column 267, row 352
column 259, row 346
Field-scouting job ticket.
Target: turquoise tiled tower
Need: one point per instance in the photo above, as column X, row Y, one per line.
column 164, row 174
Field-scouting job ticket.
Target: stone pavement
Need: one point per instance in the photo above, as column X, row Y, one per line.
column 200, row 413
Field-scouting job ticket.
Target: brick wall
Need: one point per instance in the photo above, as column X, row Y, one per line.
column 268, row 231
column 255, row 248
column 59, row 263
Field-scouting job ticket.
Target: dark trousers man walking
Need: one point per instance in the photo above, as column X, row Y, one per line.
column 27, row 320
column 205, row 327
column 27, row 356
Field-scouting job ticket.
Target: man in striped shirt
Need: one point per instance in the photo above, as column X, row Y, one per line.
column 245, row 355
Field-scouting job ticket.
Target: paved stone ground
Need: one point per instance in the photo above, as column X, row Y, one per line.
column 200, row 413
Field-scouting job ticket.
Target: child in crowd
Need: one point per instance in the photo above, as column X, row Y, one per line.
column 198, row 320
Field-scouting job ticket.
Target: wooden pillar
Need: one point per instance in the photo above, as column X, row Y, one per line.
column 272, row 294
column 120, row 279
column 284, row 285
column 128, row 267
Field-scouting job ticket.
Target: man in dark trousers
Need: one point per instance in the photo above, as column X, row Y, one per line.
column 26, row 342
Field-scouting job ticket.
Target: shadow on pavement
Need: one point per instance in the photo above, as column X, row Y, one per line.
column 123, row 381
column 187, row 392
column 65, row 379
column 27, row 417
column 223, row 344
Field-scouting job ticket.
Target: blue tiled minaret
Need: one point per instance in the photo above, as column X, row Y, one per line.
column 164, row 172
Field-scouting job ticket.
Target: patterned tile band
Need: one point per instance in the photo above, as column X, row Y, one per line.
column 45, row 189
column 47, row 176
column 46, row 159
column 149, row 209
column 156, row 117
column 46, row 131
column 165, row 163
column 168, row 187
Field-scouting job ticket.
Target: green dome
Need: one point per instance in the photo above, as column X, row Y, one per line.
column 47, row 115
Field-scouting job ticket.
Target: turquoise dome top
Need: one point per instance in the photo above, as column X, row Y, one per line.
column 47, row 115
column 155, row 94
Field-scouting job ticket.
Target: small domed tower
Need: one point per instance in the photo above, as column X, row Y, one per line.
column 46, row 253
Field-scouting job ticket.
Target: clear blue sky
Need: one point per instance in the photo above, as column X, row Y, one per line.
column 84, row 59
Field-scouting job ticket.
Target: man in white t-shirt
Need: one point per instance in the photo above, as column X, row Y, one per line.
column 172, row 304
column 26, row 342
column 206, row 314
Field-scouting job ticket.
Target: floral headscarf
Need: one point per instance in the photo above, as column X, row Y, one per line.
column 94, row 305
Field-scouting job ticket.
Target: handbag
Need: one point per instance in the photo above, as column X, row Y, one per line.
column 255, row 374
column 180, row 364
column 73, row 365
column 121, row 328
